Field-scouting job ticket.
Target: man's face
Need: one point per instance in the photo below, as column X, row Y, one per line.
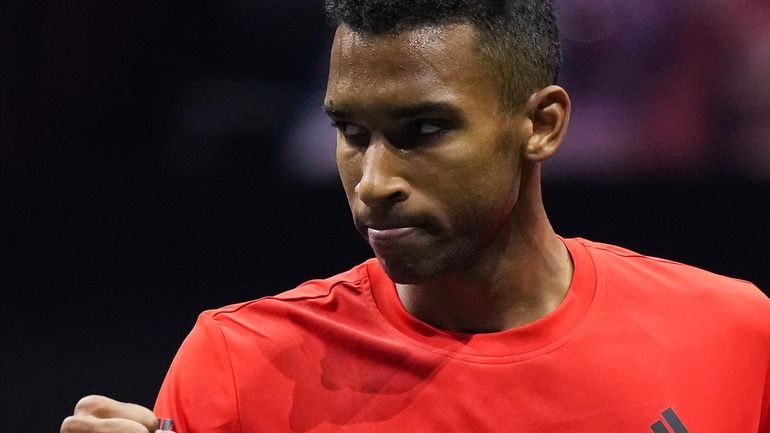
column 428, row 158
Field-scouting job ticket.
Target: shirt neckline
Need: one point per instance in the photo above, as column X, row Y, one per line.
column 539, row 337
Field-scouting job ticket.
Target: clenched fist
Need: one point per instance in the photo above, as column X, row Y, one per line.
column 99, row 414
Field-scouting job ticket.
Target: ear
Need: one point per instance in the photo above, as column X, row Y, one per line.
column 549, row 111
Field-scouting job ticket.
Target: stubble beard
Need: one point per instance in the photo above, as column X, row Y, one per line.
column 430, row 267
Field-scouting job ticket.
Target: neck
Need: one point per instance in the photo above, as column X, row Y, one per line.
column 521, row 277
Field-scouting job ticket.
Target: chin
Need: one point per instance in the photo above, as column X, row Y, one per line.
column 403, row 270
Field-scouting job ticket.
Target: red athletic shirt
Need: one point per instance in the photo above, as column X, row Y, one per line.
column 639, row 344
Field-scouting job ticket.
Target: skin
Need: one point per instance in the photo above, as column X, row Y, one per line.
column 99, row 414
column 442, row 182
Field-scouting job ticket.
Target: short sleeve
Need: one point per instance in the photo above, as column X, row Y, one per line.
column 198, row 392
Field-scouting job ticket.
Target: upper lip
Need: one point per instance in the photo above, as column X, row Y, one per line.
column 387, row 223
column 382, row 227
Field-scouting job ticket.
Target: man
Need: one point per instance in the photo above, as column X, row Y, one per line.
column 475, row 315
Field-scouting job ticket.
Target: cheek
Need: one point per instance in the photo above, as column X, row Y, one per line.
column 489, row 168
column 486, row 191
column 467, row 200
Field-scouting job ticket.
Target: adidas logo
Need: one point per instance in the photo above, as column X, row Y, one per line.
column 673, row 421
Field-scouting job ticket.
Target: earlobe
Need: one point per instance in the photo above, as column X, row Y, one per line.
column 548, row 110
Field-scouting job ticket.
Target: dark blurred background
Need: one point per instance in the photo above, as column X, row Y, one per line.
column 159, row 158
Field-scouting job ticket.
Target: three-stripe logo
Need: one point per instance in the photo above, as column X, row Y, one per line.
column 672, row 420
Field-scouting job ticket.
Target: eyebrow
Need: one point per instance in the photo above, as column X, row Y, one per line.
column 401, row 112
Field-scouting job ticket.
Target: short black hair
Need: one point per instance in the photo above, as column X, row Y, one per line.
column 519, row 36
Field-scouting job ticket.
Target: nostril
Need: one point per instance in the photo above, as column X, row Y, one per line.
column 382, row 192
column 399, row 195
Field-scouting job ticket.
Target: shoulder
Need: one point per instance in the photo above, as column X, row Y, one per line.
column 310, row 296
column 656, row 269
column 684, row 287
column 247, row 340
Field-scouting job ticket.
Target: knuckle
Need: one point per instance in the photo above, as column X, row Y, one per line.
column 74, row 424
column 123, row 426
column 90, row 424
column 92, row 405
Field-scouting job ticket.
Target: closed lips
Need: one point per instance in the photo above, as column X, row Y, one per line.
column 389, row 233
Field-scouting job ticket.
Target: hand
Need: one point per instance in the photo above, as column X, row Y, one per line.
column 98, row 414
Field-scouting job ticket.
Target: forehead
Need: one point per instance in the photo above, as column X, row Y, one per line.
column 428, row 63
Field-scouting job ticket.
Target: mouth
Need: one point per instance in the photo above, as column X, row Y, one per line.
column 393, row 233
column 390, row 241
column 389, row 234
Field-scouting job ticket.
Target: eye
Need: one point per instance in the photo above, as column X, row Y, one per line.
column 353, row 134
column 429, row 128
column 349, row 129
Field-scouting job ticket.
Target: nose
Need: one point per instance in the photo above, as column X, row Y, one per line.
column 382, row 183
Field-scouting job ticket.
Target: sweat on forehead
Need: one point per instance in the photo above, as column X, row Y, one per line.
column 519, row 37
column 413, row 43
column 415, row 64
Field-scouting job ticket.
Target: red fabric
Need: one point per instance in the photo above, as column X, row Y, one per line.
column 634, row 336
